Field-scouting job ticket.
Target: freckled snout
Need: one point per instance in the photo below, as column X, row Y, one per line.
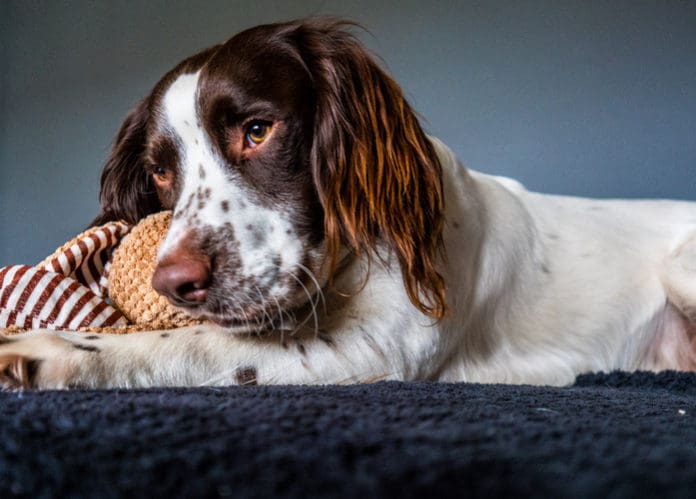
column 183, row 276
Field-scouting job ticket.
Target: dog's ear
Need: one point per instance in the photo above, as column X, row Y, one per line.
column 377, row 174
column 127, row 192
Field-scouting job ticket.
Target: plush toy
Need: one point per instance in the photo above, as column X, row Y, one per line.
column 99, row 281
column 132, row 266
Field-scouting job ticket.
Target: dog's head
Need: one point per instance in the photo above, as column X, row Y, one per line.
column 278, row 151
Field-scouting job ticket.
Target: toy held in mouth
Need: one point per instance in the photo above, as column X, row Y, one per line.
column 99, row 281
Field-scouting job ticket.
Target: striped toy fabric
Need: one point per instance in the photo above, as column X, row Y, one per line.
column 68, row 289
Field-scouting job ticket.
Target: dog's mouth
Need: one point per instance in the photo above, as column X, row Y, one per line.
column 276, row 303
column 253, row 318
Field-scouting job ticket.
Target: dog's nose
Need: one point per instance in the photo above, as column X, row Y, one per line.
column 183, row 277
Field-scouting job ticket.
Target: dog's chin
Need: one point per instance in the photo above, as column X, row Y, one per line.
column 281, row 313
column 254, row 322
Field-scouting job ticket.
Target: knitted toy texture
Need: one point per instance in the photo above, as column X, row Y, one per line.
column 132, row 267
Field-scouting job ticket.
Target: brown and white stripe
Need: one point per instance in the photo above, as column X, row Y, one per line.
column 67, row 290
column 85, row 257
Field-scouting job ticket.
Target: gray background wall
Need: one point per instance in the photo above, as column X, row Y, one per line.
column 594, row 98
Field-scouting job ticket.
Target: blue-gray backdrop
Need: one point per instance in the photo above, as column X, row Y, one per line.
column 592, row 98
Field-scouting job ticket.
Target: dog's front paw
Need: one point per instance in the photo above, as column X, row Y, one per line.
column 40, row 360
column 14, row 369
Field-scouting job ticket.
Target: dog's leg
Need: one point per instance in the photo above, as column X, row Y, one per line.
column 679, row 278
column 675, row 344
column 194, row 356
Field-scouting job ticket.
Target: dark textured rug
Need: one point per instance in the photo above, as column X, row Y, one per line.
column 617, row 435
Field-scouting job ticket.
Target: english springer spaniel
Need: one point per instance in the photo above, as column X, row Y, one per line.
column 332, row 241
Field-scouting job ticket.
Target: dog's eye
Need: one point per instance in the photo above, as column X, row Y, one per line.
column 257, row 132
column 160, row 174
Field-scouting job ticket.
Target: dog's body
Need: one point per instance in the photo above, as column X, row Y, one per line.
column 355, row 248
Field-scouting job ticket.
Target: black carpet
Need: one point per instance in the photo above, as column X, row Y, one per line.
column 615, row 435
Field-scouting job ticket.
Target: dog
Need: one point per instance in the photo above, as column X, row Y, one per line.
column 330, row 240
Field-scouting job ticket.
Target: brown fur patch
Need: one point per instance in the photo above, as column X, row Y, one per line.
column 86, row 348
column 246, row 376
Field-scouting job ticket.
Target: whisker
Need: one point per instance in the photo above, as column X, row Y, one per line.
column 246, row 318
column 246, row 300
column 320, row 293
column 264, row 313
column 280, row 312
column 280, row 315
column 311, row 303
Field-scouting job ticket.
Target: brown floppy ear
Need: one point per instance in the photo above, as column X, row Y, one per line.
column 127, row 192
column 376, row 172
